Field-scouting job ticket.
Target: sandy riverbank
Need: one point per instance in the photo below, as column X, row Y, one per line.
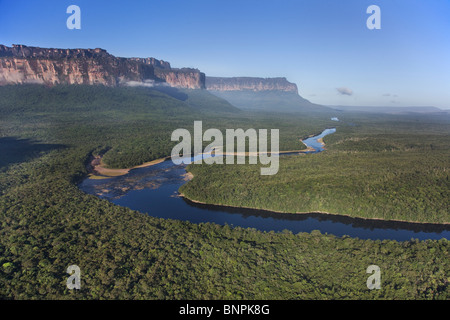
column 99, row 171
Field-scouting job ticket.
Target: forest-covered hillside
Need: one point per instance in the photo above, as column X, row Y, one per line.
column 47, row 224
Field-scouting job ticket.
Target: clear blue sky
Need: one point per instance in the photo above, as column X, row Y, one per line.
column 321, row 45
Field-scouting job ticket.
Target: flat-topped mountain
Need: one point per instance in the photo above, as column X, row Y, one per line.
column 21, row 64
column 250, row 84
column 262, row 94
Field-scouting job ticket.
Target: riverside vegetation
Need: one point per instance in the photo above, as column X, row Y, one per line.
column 47, row 136
column 388, row 167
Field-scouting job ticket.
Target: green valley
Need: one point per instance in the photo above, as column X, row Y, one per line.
column 47, row 136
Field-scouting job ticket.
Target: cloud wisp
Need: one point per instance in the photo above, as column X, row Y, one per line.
column 390, row 95
column 345, row 91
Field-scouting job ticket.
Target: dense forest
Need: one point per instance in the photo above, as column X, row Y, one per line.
column 47, row 136
column 392, row 168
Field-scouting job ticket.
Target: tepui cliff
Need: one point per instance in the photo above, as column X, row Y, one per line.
column 22, row 64
column 250, row 84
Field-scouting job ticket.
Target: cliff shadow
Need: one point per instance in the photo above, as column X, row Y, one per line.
column 172, row 92
column 16, row 150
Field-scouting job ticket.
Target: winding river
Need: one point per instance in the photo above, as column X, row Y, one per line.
column 154, row 190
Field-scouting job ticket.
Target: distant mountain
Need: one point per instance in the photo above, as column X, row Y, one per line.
column 21, row 64
column 250, row 84
column 391, row 110
column 263, row 94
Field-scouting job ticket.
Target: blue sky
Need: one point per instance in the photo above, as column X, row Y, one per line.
column 321, row 45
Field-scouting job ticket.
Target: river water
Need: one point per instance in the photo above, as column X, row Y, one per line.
column 154, row 190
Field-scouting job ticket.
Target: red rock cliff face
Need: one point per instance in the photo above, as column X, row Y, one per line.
column 184, row 78
column 250, row 84
column 21, row 64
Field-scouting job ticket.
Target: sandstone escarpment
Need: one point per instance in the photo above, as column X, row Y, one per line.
column 250, row 84
column 21, row 64
column 184, row 78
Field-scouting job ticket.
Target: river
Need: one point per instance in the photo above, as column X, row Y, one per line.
column 154, row 190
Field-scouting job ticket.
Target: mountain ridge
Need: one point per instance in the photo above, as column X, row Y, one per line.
column 22, row 64
column 250, row 84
